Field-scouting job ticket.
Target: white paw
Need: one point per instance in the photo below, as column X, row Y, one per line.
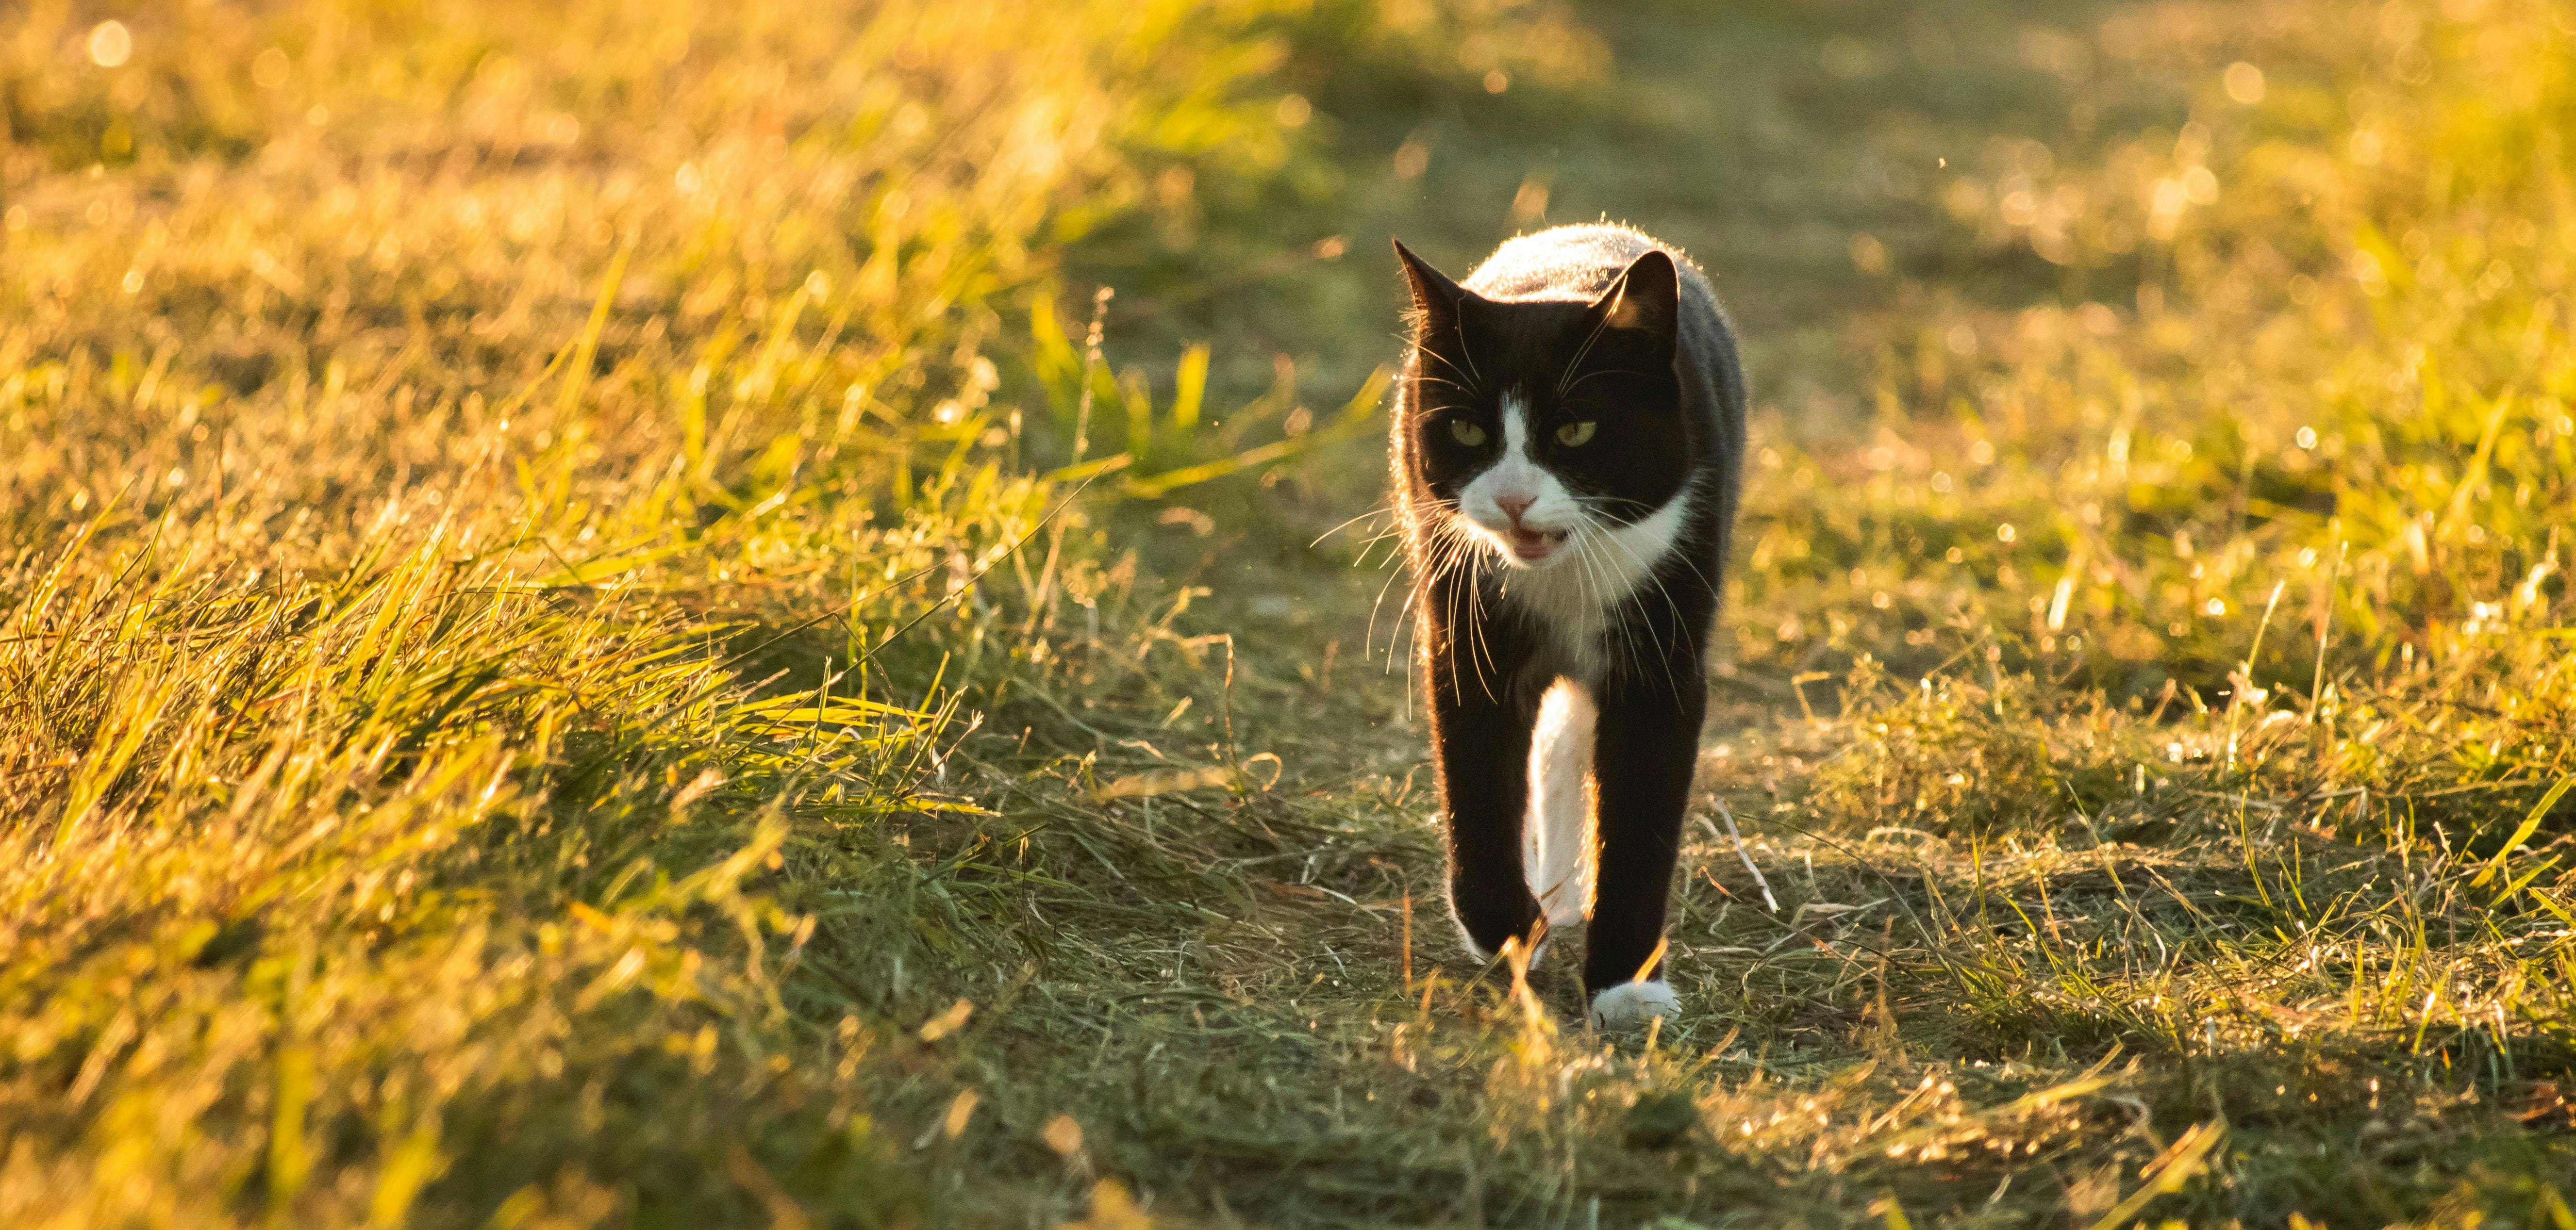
column 1630, row 1004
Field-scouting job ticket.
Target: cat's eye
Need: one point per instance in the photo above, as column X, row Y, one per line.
column 1466, row 433
column 1573, row 434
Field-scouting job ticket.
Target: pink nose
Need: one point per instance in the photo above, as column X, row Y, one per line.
column 1514, row 505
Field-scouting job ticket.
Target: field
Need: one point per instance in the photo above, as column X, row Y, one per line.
column 633, row 613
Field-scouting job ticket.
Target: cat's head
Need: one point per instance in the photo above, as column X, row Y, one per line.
column 1535, row 424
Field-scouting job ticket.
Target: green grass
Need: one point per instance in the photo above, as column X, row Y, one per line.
column 601, row 629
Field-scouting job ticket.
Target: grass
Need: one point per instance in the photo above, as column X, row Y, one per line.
column 602, row 629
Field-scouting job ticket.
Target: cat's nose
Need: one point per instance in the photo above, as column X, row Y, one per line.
column 1514, row 505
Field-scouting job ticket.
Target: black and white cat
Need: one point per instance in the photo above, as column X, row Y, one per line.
column 1568, row 449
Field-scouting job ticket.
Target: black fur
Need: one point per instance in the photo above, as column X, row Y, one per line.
column 1583, row 324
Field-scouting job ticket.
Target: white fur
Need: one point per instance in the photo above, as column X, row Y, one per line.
column 1630, row 1004
column 1557, row 835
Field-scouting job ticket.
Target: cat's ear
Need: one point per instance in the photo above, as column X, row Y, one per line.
column 1435, row 298
column 1646, row 298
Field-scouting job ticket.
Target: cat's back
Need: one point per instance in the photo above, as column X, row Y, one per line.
column 1573, row 263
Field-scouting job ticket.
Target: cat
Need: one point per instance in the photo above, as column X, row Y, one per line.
column 1567, row 454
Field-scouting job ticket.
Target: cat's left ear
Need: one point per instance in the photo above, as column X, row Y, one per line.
column 1646, row 297
column 1436, row 299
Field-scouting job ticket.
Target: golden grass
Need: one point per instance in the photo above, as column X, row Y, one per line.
column 423, row 420
column 593, row 638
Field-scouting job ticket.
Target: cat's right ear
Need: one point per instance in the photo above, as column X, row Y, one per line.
column 1435, row 297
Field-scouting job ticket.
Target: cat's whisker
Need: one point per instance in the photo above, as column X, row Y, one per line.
column 1371, row 543
column 1588, row 562
column 1575, row 364
column 1405, row 623
column 1571, row 385
column 1383, row 510
column 1471, row 578
column 1369, row 638
column 1477, row 381
column 1626, row 629
column 1670, row 604
column 1684, row 558
column 1441, row 573
column 1460, row 328
column 1479, row 656
column 1595, row 578
column 1411, row 592
column 1442, row 554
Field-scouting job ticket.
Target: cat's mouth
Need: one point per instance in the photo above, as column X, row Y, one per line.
column 1531, row 546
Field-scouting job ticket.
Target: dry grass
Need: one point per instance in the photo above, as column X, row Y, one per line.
column 594, row 637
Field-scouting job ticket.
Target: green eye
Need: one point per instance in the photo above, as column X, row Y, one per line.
column 1467, row 433
column 1575, row 433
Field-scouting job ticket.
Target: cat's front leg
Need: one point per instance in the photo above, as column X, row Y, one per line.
column 1646, row 747
column 1480, row 735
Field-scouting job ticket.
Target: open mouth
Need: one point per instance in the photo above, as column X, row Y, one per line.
column 1533, row 545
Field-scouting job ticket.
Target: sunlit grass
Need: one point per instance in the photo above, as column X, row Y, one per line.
column 488, row 488
column 593, row 636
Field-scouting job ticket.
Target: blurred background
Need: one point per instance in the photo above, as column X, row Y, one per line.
column 639, row 613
